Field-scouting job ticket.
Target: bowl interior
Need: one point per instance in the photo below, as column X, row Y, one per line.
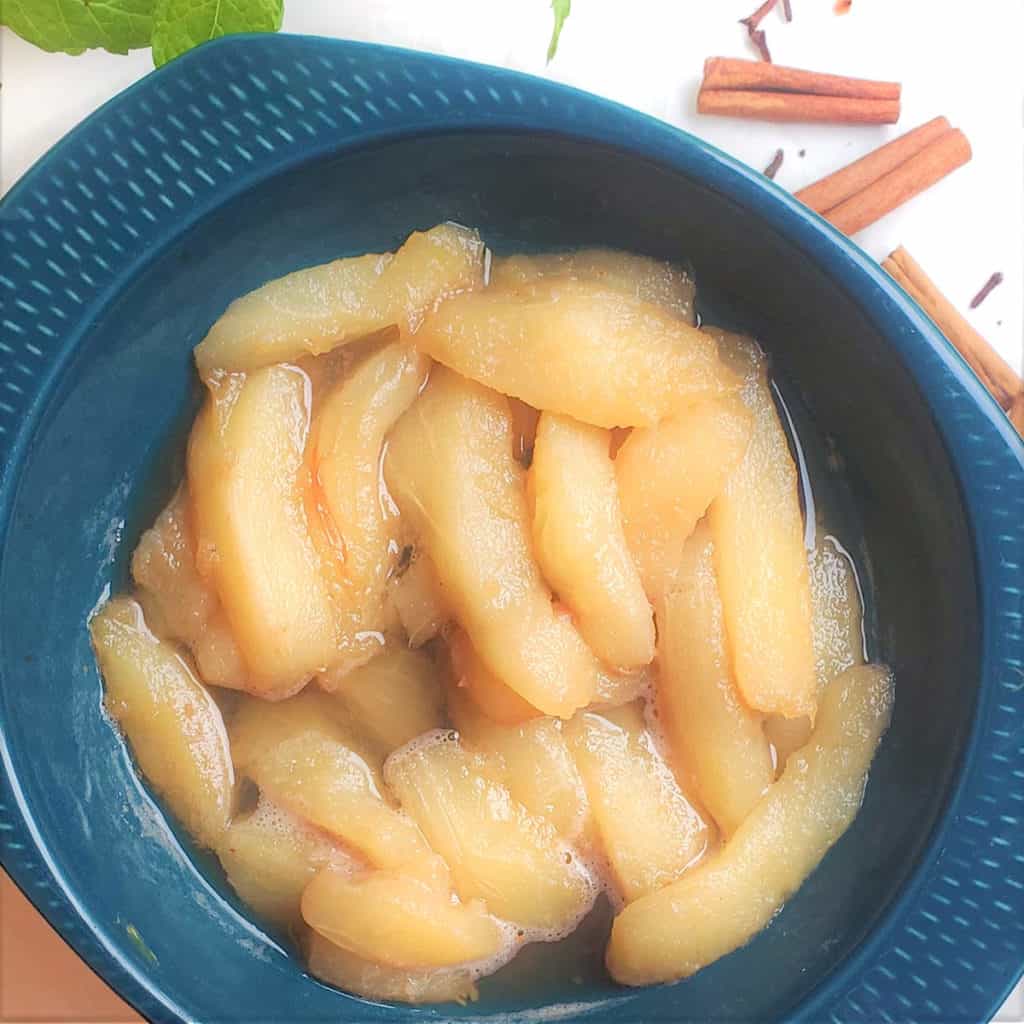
column 110, row 443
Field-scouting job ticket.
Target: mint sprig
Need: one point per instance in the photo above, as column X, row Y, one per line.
column 170, row 26
column 73, row 26
column 178, row 25
column 561, row 9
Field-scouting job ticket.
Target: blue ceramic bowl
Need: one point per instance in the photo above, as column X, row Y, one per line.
column 251, row 157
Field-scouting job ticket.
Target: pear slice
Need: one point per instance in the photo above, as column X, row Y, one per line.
column 450, row 468
column 312, row 311
column 577, row 348
column 246, row 473
column 580, row 544
column 719, row 905
column 172, row 724
column 496, row 849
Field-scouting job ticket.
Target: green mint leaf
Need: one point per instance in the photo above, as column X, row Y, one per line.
column 178, row 25
column 72, row 26
column 561, row 9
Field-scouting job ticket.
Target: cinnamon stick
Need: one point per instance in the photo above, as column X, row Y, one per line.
column 732, row 73
column 1016, row 413
column 792, row 106
column 992, row 370
column 831, row 191
column 922, row 170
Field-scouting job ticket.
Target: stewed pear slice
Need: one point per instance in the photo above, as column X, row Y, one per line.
column 306, row 755
column 713, row 738
column 669, row 474
column 496, row 849
column 246, row 473
column 580, row 544
column 332, row 786
column 257, row 726
column 758, row 531
column 172, row 724
column 373, row 980
column 179, row 603
column 473, row 680
column 719, row 905
column 270, row 856
column 394, row 698
column 530, row 759
column 836, row 618
column 616, row 688
column 399, row 920
column 312, row 311
column 577, row 348
column 358, row 534
column 646, row 828
column 655, row 281
column 450, row 468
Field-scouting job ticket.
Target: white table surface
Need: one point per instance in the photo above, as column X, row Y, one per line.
column 961, row 60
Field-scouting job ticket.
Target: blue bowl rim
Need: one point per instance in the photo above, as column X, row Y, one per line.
column 572, row 113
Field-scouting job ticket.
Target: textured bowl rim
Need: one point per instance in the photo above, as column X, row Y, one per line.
column 881, row 977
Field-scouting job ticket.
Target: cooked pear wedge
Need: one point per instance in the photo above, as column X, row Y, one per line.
column 312, row 311
column 450, row 468
column 719, row 905
column 173, row 726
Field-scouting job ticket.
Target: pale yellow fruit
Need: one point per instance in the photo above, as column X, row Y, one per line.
column 372, row 980
column 669, row 474
column 172, row 724
column 836, row 617
column 617, row 688
column 579, row 349
column 270, row 856
column 217, row 655
column 332, row 786
column 836, row 613
column 258, row 726
column 471, row 677
column 312, row 311
column 178, row 602
column 358, row 534
column 307, row 755
column 164, row 568
column 714, row 739
column 370, row 644
column 647, row 830
column 394, row 698
column 496, row 849
column 531, row 760
column 450, row 468
column 579, row 541
column 641, row 277
column 246, row 476
column 418, row 598
column 758, row 532
column 718, row 906
column 399, row 921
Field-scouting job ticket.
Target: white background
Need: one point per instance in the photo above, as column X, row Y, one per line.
column 961, row 59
